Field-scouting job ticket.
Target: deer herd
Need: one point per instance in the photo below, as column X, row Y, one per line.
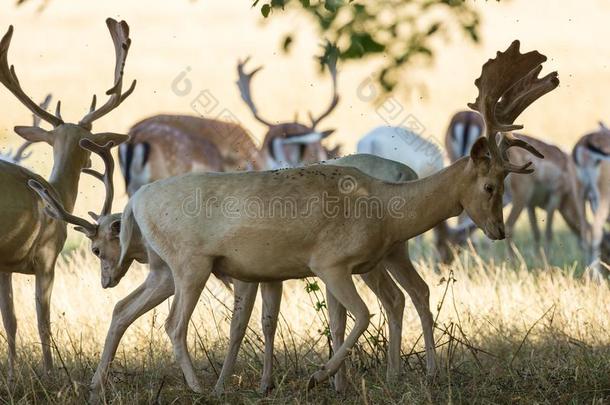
column 166, row 159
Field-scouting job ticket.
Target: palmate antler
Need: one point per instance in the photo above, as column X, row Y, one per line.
column 507, row 86
column 55, row 209
column 8, row 78
column 119, row 31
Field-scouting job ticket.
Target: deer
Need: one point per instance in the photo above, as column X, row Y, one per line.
column 194, row 245
column 553, row 187
column 33, row 240
column 154, row 149
column 104, row 234
column 591, row 155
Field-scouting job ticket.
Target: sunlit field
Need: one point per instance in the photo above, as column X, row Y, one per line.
column 506, row 332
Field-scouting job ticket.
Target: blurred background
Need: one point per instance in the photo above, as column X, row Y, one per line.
column 63, row 47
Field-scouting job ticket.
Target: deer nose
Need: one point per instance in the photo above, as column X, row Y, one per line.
column 501, row 233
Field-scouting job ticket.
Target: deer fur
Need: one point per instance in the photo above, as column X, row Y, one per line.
column 331, row 247
column 591, row 154
column 33, row 240
column 464, row 129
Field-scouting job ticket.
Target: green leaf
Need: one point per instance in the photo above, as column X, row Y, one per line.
column 305, row 3
column 255, row 3
column 265, row 10
column 362, row 43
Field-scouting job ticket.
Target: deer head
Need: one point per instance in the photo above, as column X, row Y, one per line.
column 104, row 231
column 507, row 86
column 65, row 137
column 290, row 144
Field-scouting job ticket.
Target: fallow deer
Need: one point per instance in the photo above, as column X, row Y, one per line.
column 290, row 144
column 321, row 242
column 554, row 186
column 32, row 241
column 104, row 234
column 591, row 154
column 154, row 149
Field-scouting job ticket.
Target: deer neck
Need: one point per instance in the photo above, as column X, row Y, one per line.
column 64, row 178
column 425, row 202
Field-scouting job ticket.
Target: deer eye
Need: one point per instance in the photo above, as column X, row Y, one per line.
column 96, row 252
column 489, row 188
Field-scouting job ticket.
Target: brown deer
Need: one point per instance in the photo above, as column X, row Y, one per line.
column 553, row 187
column 32, row 240
column 166, row 145
column 321, row 242
column 591, row 154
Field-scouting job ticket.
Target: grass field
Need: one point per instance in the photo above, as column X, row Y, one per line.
column 506, row 333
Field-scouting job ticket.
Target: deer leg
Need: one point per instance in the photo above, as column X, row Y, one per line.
column 340, row 284
column 157, row 287
column 337, row 320
column 400, row 266
column 44, row 288
column 531, row 213
column 9, row 320
column 515, row 211
column 189, row 281
column 272, row 298
column 244, row 296
column 551, row 207
column 597, row 235
column 393, row 301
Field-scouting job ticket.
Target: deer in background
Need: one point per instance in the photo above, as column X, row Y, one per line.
column 331, row 247
column 167, row 145
column 553, row 187
column 32, row 240
column 591, row 154
column 20, row 154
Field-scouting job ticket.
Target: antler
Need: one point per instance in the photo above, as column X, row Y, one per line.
column 507, row 86
column 331, row 62
column 8, row 77
column 243, row 83
column 106, row 177
column 56, row 210
column 119, row 31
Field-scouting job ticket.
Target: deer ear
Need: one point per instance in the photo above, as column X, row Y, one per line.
column 34, row 134
column 115, row 228
column 480, row 152
column 104, row 137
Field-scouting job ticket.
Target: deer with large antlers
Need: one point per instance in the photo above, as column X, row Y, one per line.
column 330, row 242
column 591, row 154
column 32, row 241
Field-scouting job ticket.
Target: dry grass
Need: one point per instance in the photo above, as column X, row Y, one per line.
column 505, row 334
